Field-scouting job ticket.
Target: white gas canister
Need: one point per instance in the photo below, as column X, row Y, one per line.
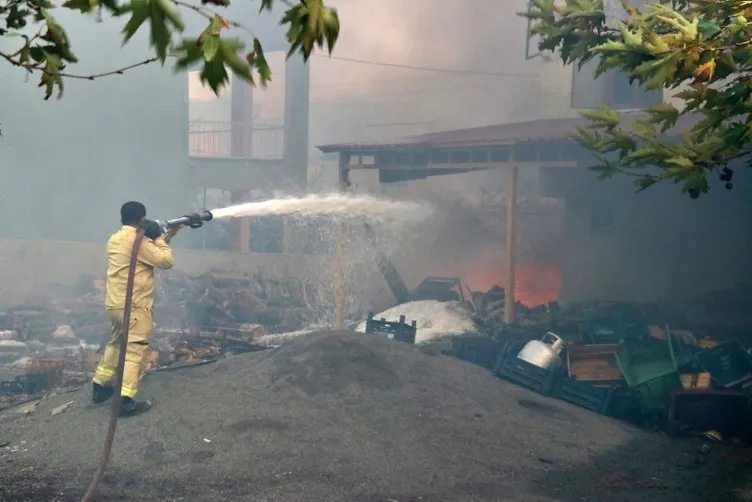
column 543, row 353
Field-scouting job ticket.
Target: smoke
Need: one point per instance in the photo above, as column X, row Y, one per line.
column 357, row 101
column 69, row 164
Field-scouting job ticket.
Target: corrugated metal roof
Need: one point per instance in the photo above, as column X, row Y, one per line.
column 538, row 130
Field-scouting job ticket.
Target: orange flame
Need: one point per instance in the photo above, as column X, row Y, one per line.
column 535, row 283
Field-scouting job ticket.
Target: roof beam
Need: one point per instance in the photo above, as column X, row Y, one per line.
column 466, row 166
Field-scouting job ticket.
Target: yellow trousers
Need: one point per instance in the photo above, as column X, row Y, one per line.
column 137, row 355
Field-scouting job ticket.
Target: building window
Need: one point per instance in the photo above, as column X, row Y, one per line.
column 267, row 234
column 602, row 216
column 612, row 88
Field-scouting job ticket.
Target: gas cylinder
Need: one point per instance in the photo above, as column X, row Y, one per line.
column 543, row 353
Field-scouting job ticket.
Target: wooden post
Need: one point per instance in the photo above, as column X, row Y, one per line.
column 340, row 283
column 511, row 266
column 203, row 234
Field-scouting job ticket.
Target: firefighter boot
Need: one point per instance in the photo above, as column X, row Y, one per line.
column 100, row 393
column 131, row 407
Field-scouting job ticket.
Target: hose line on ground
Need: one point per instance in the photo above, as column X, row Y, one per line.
column 117, row 398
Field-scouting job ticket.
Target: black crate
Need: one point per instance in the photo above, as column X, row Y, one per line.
column 628, row 405
column 729, row 365
column 26, row 384
column 480, row 350
column 584, row 394
column 400, row 330
column 515, row 370
column 11, row 387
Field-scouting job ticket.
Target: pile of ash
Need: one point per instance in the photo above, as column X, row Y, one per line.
column 342, row 416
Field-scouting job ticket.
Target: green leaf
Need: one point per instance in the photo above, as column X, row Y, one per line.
column 708, row 29
column 260, row 63
column 602, row 116
column 643, row 183
column 681, row 162
column 188, row 53
column 210, row 47
column 310, row 25
column 266, row 5
column 37, row 53
column 160, row 34
column 229, row 49
column 696, row 184
column 214, row 75
column 644, row 129
column 51, row 77
column 139, row 14
column 611, row 46
column 605, row 171
column 211, row 40
column 171, row 12
column 664, row 115
column 83, row 6
column 736, row 136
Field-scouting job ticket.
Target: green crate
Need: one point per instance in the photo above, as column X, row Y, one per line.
column 651, row 371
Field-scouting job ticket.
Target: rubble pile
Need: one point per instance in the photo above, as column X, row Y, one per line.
column 196, row 318
column 345, row 416
column 721, row 314
column 224, row 301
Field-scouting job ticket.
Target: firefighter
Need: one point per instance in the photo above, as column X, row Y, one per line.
column 154, row 253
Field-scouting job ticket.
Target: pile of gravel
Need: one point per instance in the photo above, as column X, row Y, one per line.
column 343, row 416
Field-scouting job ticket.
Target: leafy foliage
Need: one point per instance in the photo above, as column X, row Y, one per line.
column 44, row 47
column 701, row 50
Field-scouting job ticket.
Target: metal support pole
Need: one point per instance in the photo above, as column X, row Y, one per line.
column 509, row 296
column 340, row 282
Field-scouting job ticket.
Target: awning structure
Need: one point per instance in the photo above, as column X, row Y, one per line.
column 513, row 146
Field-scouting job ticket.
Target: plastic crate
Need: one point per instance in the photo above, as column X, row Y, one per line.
column 515, row 370
column 628, row 405
column 594, row 364
column 729, row 365
column 26, row 384
column 727, row 412
column 615, row 324
column 584, row 395
column 399, row 330
column 651, row 370
column 480, row 350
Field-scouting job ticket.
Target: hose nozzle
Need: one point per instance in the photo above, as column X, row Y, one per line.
column 194, row 220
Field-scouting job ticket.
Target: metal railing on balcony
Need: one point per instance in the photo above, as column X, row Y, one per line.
column 228, row 140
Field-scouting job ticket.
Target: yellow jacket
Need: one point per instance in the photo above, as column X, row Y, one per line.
column 153, row 253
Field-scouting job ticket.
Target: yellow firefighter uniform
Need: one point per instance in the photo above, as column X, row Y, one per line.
column 156, row 253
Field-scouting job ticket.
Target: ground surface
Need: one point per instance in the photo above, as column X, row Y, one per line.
column 341, row 416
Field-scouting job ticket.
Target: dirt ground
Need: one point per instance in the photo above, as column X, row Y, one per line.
column 339, row 416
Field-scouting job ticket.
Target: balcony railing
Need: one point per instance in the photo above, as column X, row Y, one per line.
column 221, row 139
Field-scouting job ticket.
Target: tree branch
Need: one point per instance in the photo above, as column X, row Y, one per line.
column 33, row 67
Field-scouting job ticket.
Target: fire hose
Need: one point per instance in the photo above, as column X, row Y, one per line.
column 194, row 220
